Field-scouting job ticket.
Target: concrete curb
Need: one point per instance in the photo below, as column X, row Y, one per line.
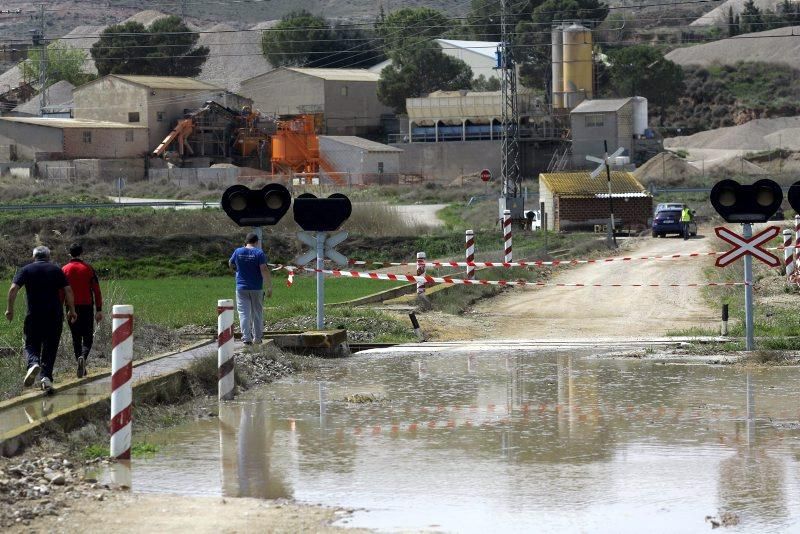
column 169, row 385
column 69, row 384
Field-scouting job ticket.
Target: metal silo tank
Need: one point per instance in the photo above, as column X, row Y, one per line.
column 557, row 61
column 639, row 115
column 578, row 80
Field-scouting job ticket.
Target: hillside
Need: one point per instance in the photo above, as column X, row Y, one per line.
column 719, row 15
column 780, row 45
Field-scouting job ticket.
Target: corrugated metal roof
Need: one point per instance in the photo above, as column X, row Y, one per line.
column 600, row 105
column 360, row 142
column 581, row 184
column 70, row 123
column 484, row 48
column 169, row 82
column 347, row 75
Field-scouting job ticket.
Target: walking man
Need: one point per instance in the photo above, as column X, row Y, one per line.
column 43, row 283
column 88, row 305
column 250, row 264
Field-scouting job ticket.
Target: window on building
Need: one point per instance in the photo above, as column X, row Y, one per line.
column 129, row 136
column 87, row 137
column 380, row 167
column 133, row 116
column 594, row 120
column 160, row 116
column 344, row 90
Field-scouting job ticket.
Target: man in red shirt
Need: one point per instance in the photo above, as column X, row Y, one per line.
column 88, row 304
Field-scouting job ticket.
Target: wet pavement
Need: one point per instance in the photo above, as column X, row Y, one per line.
column 533, row 441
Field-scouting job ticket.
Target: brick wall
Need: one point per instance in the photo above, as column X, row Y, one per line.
column 583, row 213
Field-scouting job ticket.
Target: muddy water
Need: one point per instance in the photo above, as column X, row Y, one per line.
column 480, row 442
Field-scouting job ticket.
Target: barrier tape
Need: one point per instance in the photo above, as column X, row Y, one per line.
column 395, row 277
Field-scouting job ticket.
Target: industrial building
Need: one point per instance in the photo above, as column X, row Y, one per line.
column 620, row 122
column 346, row 99
column 576, row 201
column 479, row 55
column 361, row 161
column 34, row 138
column 154, row 102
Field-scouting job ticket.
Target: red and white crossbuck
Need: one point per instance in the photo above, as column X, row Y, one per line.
column 743, row 246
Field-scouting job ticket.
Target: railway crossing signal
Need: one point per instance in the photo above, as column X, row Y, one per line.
column 746, row 203
column 256, row 207
column 605, row 164
column 752, row 246
column 794, row 196
column 317, row 217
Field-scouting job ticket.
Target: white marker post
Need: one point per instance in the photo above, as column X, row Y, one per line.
column 225, row 358
column 509, row 255
column 470, row 253
column 121, row 381
column 788, row 254
column 420, row 272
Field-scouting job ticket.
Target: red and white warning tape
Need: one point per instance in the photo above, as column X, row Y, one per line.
column 395, row 277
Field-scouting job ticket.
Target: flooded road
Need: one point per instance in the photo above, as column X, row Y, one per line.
column 476, row 442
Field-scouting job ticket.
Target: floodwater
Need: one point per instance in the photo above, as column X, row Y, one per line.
column 477, row 442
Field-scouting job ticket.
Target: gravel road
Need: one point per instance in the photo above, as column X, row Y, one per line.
column 553, row 312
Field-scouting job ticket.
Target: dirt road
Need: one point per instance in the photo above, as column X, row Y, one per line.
column 553, row 312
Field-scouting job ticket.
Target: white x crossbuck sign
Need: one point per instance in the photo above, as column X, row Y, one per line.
column 743, row 246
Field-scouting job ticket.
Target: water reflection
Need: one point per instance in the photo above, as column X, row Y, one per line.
column 564, row 441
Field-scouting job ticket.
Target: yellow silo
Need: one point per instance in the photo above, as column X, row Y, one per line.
column 577, row 65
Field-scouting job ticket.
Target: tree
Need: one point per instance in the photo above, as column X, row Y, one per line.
column 409, row 27
column 751, row 18
column 166, row 48
column 63, row 63
column 642, row 70
column 733, row 24
column 484, row 16
column 174, row 52
column 418, row 72
column 481, row 83
column 303, row 39
column 790, row 12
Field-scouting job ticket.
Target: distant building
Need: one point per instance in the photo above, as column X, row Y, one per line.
column 58, row 98
column 361, row 161
column 347, row 99
column 154, row 102
column 576, row 201
column 479, row 55
column 36, row 138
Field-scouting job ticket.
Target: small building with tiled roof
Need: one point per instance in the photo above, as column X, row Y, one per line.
column 576, row 201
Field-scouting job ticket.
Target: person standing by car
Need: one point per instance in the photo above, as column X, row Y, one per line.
column 43, row 283
column 250, row 265
column 88, row 305
column 686, row 218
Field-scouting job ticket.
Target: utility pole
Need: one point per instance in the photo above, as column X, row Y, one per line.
column 38, row 39
column 183, row 10
column 509, row 167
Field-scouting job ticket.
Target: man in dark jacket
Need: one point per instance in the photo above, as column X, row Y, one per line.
column 43, row 283
column 88, row 305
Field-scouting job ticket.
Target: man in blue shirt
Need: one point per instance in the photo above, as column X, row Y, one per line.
column 250, row 264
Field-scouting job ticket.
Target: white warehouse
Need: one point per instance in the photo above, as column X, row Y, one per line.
column 360, row 161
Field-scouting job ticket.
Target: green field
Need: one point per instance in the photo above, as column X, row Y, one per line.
column 176, row 302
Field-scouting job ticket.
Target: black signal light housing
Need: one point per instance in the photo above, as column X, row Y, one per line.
column 256, row 207
column 741, row 203
column 321, row 214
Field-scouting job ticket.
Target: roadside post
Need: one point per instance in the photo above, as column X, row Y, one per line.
column 470, row 253
column 724, row 327
column 507, row 248
column 120, row 187
column 225, row 357
column 793, row 196
column 747, row 204
column 121, row 381
column 797, row 241
column 604, row 163
column 788, row 254
column 317, row 217
column 420, row 272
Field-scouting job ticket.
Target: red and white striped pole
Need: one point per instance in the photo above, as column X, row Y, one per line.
column 225, row 360
column 470, row 251
column 788, row 253
column 509, row 256
column 121, row 381
column 420, row 272
column 797, row 241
